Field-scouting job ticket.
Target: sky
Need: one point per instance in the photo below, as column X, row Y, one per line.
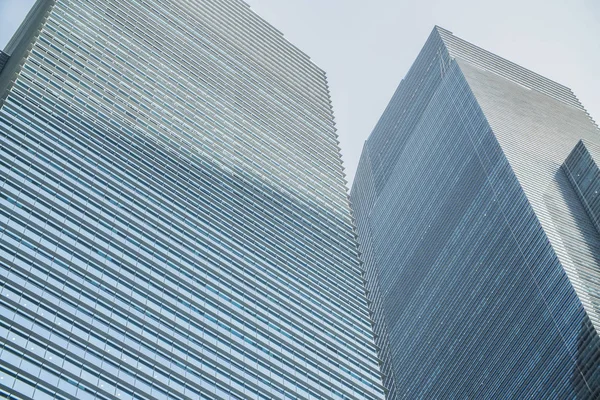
column 12, row 13
column 366, row 47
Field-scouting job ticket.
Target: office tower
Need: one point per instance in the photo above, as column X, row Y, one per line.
column 173, row 211
column 475, row 201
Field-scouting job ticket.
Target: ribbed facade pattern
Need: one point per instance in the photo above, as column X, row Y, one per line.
column 478, row 57
column 174, row 222
column 480, row 252
column 583, row 172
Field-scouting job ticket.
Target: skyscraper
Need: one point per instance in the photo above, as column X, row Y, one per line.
column 475, row 200
column 173, row 215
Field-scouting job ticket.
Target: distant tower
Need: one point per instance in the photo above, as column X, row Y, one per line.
column 174, row 222
column 476, row 201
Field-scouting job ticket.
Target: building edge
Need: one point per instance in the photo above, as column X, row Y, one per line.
column 20, row 44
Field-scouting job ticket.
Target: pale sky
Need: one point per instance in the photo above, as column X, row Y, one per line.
column 366, row 47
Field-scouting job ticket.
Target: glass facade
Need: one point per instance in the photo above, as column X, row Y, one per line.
column 581, row 168
column 3, row 60
column 481, row 261
column 174, row 222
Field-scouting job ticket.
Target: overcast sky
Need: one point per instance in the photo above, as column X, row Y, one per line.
column 366, row 47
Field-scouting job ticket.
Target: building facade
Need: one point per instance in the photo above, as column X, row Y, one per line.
column 174, row 222
column 476, row 214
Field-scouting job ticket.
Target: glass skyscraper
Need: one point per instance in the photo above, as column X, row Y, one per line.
column 476, row 200
column 174, row 222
